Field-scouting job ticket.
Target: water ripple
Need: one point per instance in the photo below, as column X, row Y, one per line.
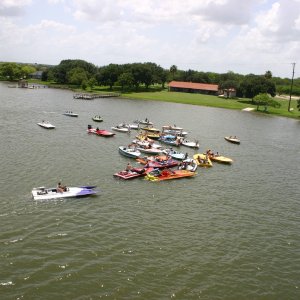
column 232, row 232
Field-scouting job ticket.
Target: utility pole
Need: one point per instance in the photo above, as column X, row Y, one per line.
column 291, row 89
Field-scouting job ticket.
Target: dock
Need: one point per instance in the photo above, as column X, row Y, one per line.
column 95, row 96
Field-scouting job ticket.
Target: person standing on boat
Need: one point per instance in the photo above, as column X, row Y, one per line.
column 61, row 188
column 128, row 167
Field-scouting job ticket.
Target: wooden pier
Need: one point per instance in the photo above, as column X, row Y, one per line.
column 94, row 96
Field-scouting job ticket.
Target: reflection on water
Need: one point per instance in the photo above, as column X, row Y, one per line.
column 229, row 233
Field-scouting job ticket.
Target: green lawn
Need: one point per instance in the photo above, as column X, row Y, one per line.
column 213, row 101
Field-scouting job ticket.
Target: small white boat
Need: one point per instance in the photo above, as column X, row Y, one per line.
column 174, row 130
column 232, row 139
column 121, row 128
column 170, row 140
column 144, row 122
column 97, row 119
column 175, row 154
column 151, row 150
column 144, row 143
column 70, row 114
column 42, row 193
column 188, row 164
column 190, row 144
column 176, row 133
column 134, row 126
column 46, row 124
column 172, row 127
column 129, row 152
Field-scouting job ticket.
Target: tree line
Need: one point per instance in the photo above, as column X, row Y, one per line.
column 136, row 75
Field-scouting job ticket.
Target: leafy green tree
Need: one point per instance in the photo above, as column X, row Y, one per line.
column 84, row 84
column 200, row 77
column 268, row 75
column 227, row 85
column 213, row 77
column 173, row 70
column 158, row 74
column 263, row 99
column 189, row 75
column 77, row 76
column 108, row 75
column 125, row 80
column 26, row 70
column 61, row 72
column 136, row 71
column 252, row 85
column 164, row 77
column 146, row 75
column 11, row 71
column 92, row 82
column 161, row 76
column 45, row 75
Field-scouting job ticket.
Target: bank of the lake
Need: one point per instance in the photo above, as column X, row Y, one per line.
column 213, row 101
column 158, row 94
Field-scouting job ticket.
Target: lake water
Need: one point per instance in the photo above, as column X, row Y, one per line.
column 232, row 232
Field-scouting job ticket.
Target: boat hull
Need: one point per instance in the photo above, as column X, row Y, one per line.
column 104, row 133
column 72, row 192
column 134, row 173
column 202, row 160
column 123, row 129
column 221, row 159
column 97, row 119
column 194, row 145
column 129, row 152
column 70, row 114
column 150, row 151
column 188, row 164
column 169, row 175
column 175, row 154
column 46, row 125
column 232, row 140
column 159, row 162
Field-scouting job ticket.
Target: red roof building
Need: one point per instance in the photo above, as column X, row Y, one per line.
column 192, row 87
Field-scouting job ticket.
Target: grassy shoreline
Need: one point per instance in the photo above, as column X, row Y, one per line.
column 157, row 94
column 218, row 102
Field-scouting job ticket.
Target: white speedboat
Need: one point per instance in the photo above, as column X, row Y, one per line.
column 174, row 130
column 147, row 150
column 188, row 164
column 46, row 125
column 97, row 119
column 42, row 193
column 144, row 143
column 134, row 126
column 175, row 154
column 190, row 144
column 129, row 152
column 70, row 114
column 232, row 139
column 144, row 122
column 121, row 128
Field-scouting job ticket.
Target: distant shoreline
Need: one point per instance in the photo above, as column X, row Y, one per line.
column 189, row 98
